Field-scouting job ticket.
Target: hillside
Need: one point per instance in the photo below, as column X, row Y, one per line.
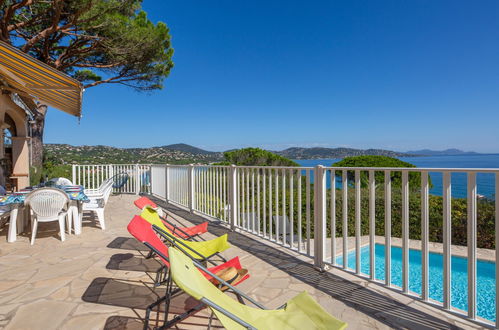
column 182, row 154
column 447, row 152
column 324, row 153
column 175, row 154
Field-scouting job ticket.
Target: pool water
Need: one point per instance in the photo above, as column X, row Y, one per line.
column 459, row 277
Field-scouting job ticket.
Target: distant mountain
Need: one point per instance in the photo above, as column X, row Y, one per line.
column 182, row 153
column 189, row 149
column 175, row 153
column 448, row 152
column 324, row 153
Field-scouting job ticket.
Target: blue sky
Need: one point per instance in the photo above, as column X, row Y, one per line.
column 391, row 74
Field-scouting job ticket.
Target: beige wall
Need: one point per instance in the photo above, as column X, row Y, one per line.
column 20, row 160
column 20, row 142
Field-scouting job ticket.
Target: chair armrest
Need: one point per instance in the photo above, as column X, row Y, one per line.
column 94, row 195
column 92, row 191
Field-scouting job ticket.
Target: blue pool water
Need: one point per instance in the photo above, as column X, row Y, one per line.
column 459, row 276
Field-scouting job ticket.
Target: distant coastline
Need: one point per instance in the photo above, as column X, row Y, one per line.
column 485, row 181
column 184, row 153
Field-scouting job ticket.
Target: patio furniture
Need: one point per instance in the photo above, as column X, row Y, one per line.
column 188, row 233
column 202, row 250
column 4, row 214
column 61, row 182
column 98, row 200
column 48, row 204
column 119, row 181
column 143, row 232
column 301, row 312
column 15, row 201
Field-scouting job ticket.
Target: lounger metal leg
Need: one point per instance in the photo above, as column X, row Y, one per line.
column 182, row 316
column 210, row 320
column 150, row 254
column 150, row 308
column 166, row 298
column 159, row 273
column 169, row 293
column 161, row 276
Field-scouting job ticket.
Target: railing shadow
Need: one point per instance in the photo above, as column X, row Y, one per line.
column 382, row 308
column 137, row 296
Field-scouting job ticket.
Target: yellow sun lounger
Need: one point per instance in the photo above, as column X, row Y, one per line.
column 301, row 312
column 201, row 250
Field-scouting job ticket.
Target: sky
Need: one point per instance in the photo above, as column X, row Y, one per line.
column 399, row 75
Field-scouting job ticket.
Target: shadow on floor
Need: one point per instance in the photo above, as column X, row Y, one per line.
column 133, row 323
column 127, row 243
column 123, row 322
column 382, row 308
column 130, row 262
column 137, row 296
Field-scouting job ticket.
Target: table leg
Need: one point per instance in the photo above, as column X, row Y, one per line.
column 73, row 211
column 13, row 224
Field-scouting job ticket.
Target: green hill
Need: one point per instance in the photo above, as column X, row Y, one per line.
column 175, row 154
column 325, row 153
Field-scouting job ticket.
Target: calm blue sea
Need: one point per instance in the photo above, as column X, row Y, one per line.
column 485, row 181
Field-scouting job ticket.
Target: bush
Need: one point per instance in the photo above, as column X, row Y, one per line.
column 379, row 176
column 255, row 157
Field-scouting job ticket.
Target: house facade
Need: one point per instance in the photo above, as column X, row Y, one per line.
column 26, row 84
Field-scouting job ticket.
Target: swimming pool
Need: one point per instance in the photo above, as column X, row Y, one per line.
column 486, row 284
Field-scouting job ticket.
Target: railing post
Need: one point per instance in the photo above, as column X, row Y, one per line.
column 319, row 216
column 137, row 179
column 191, row 188
column 167, row 173
column 233, row 197
column 73, row 179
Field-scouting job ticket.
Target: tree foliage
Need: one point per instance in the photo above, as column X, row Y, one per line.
column 256, row 157
column 379, row 176
column 95, row 41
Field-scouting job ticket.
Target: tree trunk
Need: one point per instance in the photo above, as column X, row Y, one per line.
column 37, row 136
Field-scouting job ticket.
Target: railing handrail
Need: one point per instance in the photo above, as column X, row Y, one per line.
column 334, row 168
column 416, row 169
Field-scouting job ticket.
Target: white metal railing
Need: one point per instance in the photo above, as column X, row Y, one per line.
column 297, row 208
column 92, row 176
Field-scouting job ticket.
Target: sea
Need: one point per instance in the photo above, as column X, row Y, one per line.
column 485, row 181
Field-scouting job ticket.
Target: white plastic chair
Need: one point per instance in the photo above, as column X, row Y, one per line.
column 47, row 204
column 4, row 214
column 98, row 200
column 61, row 181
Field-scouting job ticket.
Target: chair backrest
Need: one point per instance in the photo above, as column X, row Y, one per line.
column 119, row 180
column 143, row 232
column 61, row 181
column 104, row 184
column 151, row 216
column 199, row 250
column 143, row 202
column 106, row 190
column 47, row 202
column 191, row 281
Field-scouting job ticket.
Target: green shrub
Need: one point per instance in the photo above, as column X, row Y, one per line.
column 379, row 176
column 256, row 157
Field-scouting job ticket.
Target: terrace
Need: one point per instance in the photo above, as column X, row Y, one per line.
column 100, row 279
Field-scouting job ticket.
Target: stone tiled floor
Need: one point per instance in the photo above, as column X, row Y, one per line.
column 100, row 280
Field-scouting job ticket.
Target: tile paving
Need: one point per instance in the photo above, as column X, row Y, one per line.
column 100, row 280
